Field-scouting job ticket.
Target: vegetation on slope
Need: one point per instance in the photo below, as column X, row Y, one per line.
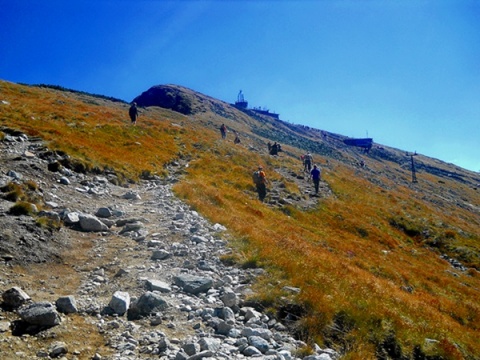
column 367, row 260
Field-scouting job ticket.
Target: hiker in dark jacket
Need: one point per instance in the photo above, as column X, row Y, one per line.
column 133, row 112
column 315, row 175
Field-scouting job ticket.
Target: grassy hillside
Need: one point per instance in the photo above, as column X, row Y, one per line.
column 367, row 258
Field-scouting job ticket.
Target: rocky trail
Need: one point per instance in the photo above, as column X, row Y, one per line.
column 132, row 273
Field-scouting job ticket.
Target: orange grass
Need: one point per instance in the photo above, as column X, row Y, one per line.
column 361, row 256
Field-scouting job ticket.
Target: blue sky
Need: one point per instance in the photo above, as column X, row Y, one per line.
column 405, row 72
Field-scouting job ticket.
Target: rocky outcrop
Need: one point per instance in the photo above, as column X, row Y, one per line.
column 167, row 97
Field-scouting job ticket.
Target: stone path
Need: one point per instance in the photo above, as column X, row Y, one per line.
column 152, row 285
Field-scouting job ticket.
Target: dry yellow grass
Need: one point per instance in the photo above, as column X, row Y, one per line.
column 369, row 275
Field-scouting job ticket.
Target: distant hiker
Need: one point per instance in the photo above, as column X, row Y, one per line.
column 260, row 182
column 274, row 149
column 223, row 131
column 307, row 162
column 315, row 175
column 269, row 147
column 133, row 112
column 237, row 139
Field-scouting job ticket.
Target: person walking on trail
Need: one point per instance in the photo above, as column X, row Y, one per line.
column 307, row 162
column 315, row 175
column 133, row 112
column 274, row 149
column 260, row 180
column 237, row 139
column 223, row 131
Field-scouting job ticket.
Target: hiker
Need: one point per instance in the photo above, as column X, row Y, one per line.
column 223, row 131
column 269, row 147
column 133, row 112
column 307, row 162
column 274, row 149
column 260, row 181
column 315, row 175
column 237, row 139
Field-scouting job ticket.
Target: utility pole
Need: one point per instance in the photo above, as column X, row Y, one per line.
column 414, row 173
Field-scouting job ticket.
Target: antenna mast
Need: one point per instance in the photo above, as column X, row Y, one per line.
column 414, row 172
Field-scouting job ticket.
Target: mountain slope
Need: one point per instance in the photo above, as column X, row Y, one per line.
column 372, row 255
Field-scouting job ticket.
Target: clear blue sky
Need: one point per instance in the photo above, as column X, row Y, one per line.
column 407, row 72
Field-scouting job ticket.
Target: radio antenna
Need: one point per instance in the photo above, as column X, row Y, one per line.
column 414, row 172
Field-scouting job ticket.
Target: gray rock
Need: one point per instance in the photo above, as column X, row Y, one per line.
column 259, row 343
column 160, row 254
column 158, row 285
column 148, row 303
column 4, row 326
column 40, row 313
column 181, row 356
column 251, row 313
column 261, row 332
column 251, row 351
column 123, row 222
column 287, row 355
column 64, row 180
column 201, row 355
column 219, row 227
column 104, row 212
column 199, row 239
column 130, row 227
column 90, row 223
column 49, row 214
column 71, row 218
column 193, row 284
column 131, row 195
column 191, row 348
column 228, row 314
column 229, row 298
column 52, row 204
column 212, row 344
column 66, row 304
column 108, row 222
column 223, row 328
column 15, row 175
column 57, row 349
column 120, row 302
column 15, row 297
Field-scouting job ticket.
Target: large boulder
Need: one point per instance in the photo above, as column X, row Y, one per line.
column 167, row 97
column 40, row 313
column 90, row 223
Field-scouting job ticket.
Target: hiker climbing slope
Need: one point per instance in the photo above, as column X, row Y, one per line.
column 133, row 112
column 315, row 175
column 307, row 162
column 223, row 131
column 260, row 181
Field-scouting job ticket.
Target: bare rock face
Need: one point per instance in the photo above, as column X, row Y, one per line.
column 166, row 97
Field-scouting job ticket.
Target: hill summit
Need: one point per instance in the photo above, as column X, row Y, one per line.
column 380, row 264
